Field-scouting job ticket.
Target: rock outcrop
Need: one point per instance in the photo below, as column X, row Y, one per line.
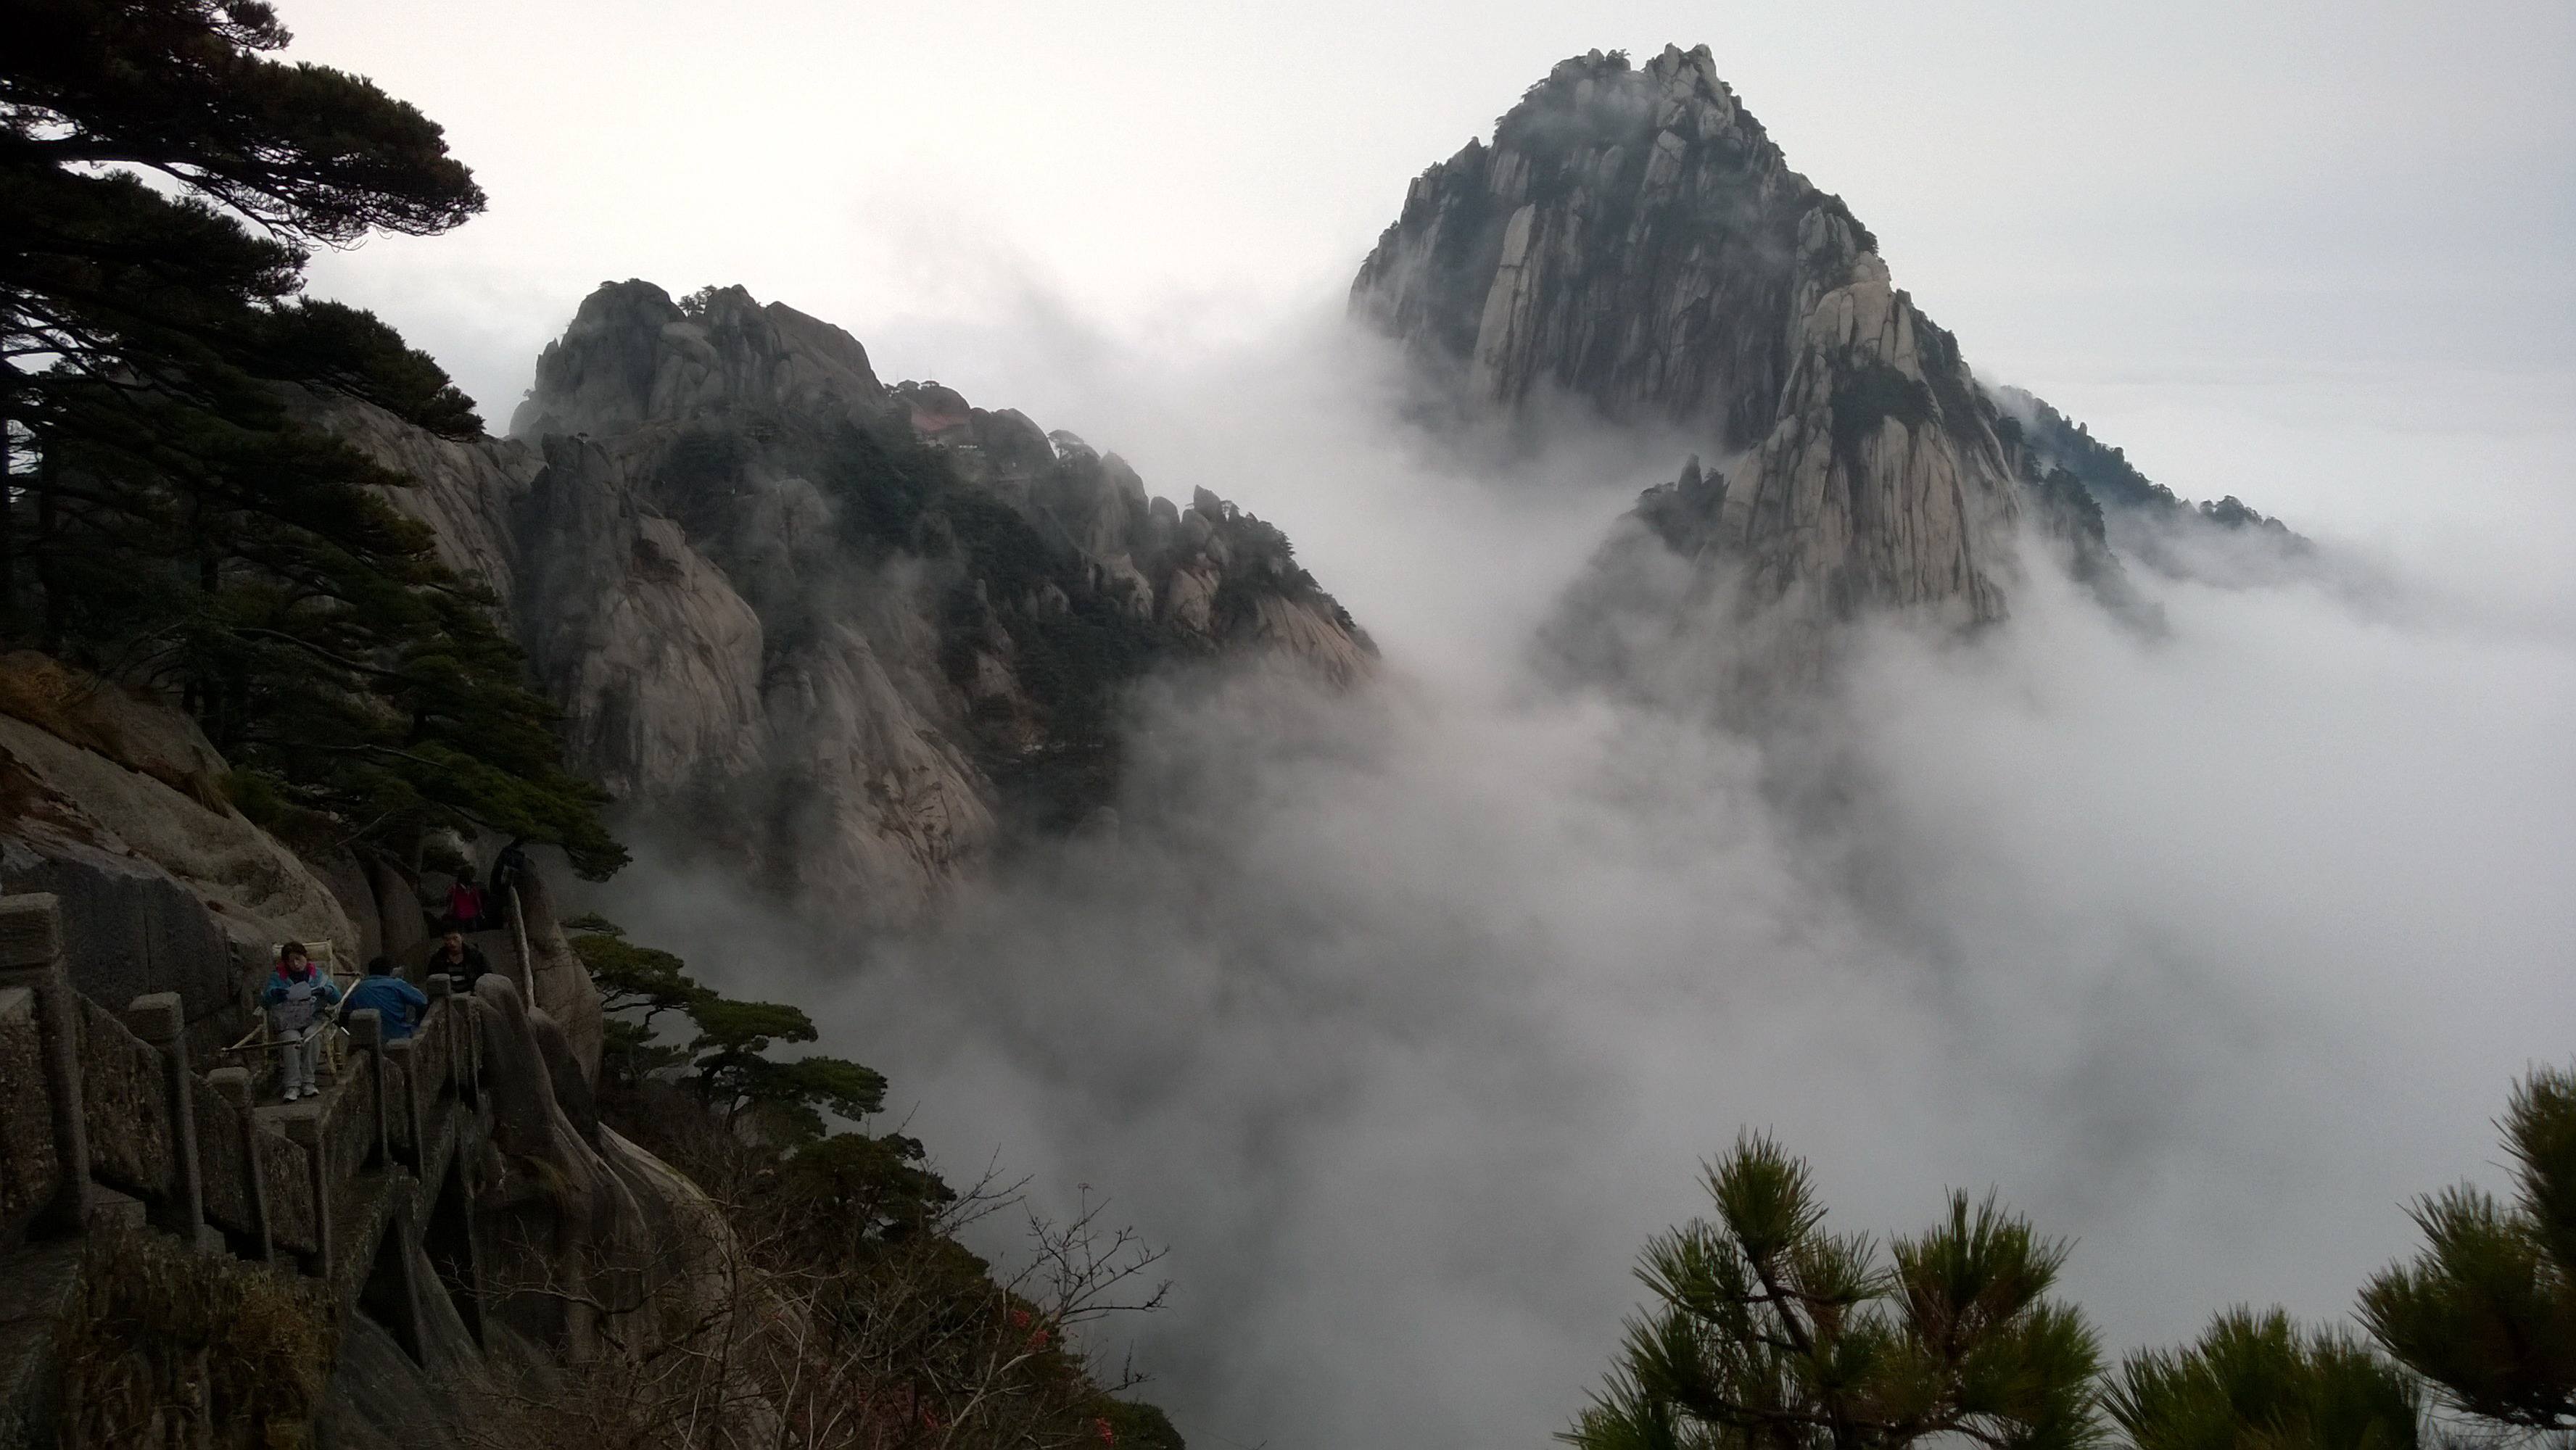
column 1634, row 240
column 846, row 636
column 115, row 805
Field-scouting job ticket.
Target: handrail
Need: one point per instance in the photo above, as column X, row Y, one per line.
column 519, row 933
column 310, row 1188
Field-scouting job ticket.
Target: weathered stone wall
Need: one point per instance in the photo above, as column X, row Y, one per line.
column 30, row 1170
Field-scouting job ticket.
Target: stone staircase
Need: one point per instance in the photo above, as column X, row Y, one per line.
column 104, row 1119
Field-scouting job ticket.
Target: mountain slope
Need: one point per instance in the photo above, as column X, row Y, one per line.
column 850, row 638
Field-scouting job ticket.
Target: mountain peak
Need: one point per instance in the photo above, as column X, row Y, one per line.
column 1652, row 239
column 1633, row 239
column 632, row 354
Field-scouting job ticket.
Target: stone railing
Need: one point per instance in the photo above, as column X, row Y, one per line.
column 104, row 1117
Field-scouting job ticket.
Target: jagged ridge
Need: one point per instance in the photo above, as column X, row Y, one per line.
column 849, row 636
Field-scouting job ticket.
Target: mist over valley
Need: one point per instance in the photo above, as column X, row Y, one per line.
column 1224, row 815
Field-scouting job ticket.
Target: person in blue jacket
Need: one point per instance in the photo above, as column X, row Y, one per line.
column 397, row 1004
column 297, row 996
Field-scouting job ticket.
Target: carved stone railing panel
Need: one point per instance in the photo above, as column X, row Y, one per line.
column 130, row 1142
column 31, row 1172
column 285, row 1176
column 223, row 1163
column 349, row 1121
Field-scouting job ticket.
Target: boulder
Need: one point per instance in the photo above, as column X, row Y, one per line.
column 164, row 887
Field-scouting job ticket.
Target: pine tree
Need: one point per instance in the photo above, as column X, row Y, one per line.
column 2487, row 1312
column 1768, row 1333
column 726, row 1065
column 2256, row 1382
column 168, row 522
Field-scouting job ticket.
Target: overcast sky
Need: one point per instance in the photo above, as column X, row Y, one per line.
column 2080, row 192
column 2225, row 235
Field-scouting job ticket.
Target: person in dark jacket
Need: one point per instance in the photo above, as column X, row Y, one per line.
column 298, row 998
column 460, row 959
column 510, row 870
column 398, row 1004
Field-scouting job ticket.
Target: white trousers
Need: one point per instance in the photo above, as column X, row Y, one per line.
column 302, row 1058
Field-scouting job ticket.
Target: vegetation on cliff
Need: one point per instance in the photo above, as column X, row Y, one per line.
column 166, row 1345
column 162, row 184
column 902, row 1334
column 2063, row 456
column 1017, row 599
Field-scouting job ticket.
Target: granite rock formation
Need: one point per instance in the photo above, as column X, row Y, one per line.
column 846, row 636
column 1633, row 239
column 116, row 806
column 1633, row 243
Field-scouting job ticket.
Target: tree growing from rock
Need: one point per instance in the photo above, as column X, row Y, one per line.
column 725, row 1064
column 840, row 1305
column 163, row 181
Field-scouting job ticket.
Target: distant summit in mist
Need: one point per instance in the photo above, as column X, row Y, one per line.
column 1633, row 241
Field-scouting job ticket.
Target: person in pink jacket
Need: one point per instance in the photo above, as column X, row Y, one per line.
column 299, row 997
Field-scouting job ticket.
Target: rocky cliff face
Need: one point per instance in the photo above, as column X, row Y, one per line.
column 1633, row 239
column 1633, row 243
column 846, row 635
column 117, row 807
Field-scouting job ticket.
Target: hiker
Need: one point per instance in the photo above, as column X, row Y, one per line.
column 460, row 960
column 297, row 995
column 509, row 869
column 465, row 904
column 398, row 1004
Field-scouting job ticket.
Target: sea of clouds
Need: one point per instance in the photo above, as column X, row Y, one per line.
column 1403, row 1017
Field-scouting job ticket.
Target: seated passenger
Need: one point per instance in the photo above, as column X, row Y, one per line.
column 296, row 997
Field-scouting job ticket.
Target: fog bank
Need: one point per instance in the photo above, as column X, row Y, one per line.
column 1404, row 1017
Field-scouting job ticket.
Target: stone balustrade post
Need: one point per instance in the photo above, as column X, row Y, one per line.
column 162, row 1021
column 303, row 1124
column 469, row 1049
column 233, row 1085
column 442, row 998
column 31, row 950
column 367, row 1036
column 403, row 1057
